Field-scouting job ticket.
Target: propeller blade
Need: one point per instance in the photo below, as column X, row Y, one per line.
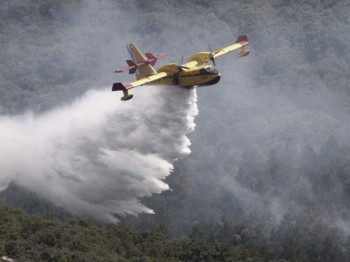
column 211, row 55
column 180, row 66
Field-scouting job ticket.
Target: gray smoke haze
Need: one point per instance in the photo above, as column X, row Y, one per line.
column 98, row 156
column 268, row 113
column 274, row 125
column 277, row 117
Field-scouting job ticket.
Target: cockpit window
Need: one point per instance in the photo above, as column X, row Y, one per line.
column 213, row 71
column 203, row 71
column 208, row 71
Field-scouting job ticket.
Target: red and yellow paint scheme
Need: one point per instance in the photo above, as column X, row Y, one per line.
column 196, row 72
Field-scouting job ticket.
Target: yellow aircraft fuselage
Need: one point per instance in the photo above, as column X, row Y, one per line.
column 187, row 77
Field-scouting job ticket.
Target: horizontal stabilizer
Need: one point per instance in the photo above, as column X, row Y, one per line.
column 161, row 55
column 144, row 65
column 132, row 66
column 132, row 70
column 151, row 58
column 130, row 63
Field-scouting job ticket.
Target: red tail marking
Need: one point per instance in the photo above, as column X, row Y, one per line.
column 150, row 61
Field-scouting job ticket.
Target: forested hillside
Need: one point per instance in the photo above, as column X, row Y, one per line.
column 26, row 237
column 269, row 169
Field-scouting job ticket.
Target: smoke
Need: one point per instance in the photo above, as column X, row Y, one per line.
column 98, row 156
column 265, row 129
column 262, row 147
column 261, row 164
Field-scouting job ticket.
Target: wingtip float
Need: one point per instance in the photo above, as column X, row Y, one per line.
column 196, row 72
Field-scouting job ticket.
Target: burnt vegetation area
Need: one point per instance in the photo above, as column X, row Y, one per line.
column 291, row 204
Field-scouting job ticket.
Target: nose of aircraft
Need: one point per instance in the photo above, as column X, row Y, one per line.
column 214, row 80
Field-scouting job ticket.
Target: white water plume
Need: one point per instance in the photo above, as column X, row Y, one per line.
column 99, row 156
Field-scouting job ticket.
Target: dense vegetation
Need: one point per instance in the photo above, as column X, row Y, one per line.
column 285, row 198
column 311, row 228
column 27, row 237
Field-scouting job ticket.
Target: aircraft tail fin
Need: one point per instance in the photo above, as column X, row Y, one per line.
column 145, row 69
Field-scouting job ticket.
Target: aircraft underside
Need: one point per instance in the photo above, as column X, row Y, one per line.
column 188, row 81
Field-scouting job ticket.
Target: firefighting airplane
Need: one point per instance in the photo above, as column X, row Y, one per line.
column 196, row 72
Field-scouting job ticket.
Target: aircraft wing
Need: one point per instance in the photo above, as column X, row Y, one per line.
column 206, row 57
column 240, row 43
column 140, row 82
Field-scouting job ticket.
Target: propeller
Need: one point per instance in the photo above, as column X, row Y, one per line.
column 211, row 55
column 178, row 75
column 181, row 66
